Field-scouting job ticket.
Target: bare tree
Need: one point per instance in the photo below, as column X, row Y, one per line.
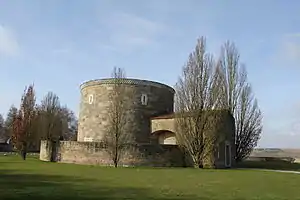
column 233, row 76
column 2, row 128
column 55, row 121
column 18, row 133
column 116, row 139
column 12, row 113
column 69, row 124
column 248, row 123
column 22, row 125
column 236, row 94
column 196, row 95
column 49, row 117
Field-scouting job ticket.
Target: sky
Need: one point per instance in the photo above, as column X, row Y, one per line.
column 59, row 44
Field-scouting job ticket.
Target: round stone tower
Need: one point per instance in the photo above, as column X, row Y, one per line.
column 150, row 99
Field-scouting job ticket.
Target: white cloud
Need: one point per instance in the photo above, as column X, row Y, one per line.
column 9, row 45
column 292, row 50
column 289, row 50
column 294, row 129
column 128, row 31
column 282, row 126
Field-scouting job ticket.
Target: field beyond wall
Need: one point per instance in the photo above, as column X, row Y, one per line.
column 33, row 178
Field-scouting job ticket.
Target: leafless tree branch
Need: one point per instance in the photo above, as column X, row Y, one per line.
column 196, row 95
column 117, row 140
column 238, row 98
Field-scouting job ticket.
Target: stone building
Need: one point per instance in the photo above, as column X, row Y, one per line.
column 163, row 132
column 150, row 120
column 149, row 99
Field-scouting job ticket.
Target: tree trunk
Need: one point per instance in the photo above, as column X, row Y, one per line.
column 197, row 163
column 23, row 154
column 24, row 151
column 116, row 158
column 115, row 162
column 184, row 164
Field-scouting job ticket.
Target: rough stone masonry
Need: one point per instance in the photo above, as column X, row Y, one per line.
column 154, row 133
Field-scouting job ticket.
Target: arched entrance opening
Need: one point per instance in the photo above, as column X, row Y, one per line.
column 164, row 137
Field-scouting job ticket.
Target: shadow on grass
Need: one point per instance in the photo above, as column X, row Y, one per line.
column 274, row 165
column 19, row 185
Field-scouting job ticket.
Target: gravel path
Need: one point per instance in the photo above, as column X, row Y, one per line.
column 282, row 171
column 274, row 170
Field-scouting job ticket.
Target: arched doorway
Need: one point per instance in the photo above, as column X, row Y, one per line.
column 164, row 137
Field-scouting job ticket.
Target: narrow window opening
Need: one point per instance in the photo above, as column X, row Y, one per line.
column 144, row 99
column 91, row 99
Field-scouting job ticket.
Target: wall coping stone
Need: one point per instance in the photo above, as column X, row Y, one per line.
column 127, row 81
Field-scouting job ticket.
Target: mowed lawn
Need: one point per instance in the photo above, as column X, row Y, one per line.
column 33, row 178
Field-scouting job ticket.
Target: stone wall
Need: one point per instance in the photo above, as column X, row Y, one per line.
column 166, row 138
column 45, row 150
column 149, row 99
column 222, row 127
column 93, row 153
column 163, row 124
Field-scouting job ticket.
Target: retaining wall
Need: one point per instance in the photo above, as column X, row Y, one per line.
column 94, row 153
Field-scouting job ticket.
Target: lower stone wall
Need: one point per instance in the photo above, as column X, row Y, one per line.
column 161, row 156
column 94, row 153
column 45, row 150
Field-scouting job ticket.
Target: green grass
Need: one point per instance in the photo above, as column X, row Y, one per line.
column 50, row 181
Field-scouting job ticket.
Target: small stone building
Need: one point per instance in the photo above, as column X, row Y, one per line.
column 164, row 133
column 150, row 120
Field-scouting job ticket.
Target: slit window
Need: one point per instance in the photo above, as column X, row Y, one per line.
column 144, row 99
column 218, row 151
column 91, row 99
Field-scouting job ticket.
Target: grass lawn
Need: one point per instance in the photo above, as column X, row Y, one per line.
column 33, row 178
